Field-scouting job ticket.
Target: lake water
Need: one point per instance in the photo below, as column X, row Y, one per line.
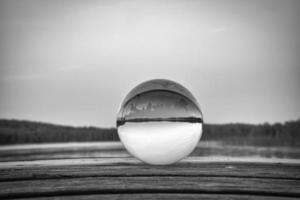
column 99, row 151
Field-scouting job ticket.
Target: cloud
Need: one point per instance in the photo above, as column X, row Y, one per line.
column 220, row 29
column 21, row 77
column 70, row 68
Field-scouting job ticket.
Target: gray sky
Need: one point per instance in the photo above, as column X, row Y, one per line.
column 73, row 62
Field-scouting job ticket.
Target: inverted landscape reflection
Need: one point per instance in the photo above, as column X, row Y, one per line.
column 159, row 100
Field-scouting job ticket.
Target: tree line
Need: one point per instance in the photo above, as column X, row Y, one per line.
column 20, row 131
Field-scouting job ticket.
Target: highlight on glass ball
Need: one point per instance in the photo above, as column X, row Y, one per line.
column 159, row 122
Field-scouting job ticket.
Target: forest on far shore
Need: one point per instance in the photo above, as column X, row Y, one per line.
column 278, row 134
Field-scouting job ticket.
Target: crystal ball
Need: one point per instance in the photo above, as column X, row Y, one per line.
column 159, row 122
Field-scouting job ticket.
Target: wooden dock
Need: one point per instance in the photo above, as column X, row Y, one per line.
column 126, row 178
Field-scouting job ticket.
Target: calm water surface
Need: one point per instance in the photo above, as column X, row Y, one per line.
column 205, row 151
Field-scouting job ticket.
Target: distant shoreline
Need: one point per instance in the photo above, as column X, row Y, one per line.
column 25, row 132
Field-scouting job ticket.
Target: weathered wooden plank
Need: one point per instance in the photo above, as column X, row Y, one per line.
column 164, row 196
column 245, row 170
column 151, row 184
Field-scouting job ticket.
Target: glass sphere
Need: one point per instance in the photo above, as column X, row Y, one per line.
column 159, row 122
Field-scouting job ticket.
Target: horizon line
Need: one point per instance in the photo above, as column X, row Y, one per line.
column 111, row 127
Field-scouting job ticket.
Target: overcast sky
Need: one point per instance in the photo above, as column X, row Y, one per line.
column 73, row 62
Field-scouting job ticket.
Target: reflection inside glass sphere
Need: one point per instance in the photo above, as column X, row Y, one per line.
column 159, row 122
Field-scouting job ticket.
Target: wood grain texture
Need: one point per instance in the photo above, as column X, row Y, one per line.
column 107, row 185
column 163, row 196
column 127, row 178
column 240, row 179
column 123, row 169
